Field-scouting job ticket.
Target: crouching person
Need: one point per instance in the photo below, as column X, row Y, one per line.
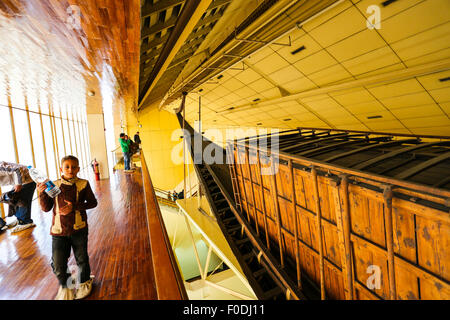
column 69, row 228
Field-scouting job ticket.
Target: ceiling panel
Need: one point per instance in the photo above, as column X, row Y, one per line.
column 340, row 50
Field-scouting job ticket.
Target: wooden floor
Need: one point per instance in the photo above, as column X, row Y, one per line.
column 119, row 248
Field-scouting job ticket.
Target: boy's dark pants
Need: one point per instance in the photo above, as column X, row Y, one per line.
column 61, row 246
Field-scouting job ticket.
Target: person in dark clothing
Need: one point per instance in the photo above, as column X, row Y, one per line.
column 125, row 145
column 137, row 138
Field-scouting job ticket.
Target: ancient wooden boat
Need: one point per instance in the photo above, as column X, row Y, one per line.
column 330, row 214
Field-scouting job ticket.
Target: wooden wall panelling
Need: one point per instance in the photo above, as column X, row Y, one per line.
column 433, row 246
column 366, row 213
column 338, row 228
column 365, row 258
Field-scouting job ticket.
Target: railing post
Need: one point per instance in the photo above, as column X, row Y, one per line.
column 319, row 232
column 294, row 212
column 387, row 194
column 343, row 224
column 263, row 199
column 253, row 191
column 243, row 184
column 276, row 205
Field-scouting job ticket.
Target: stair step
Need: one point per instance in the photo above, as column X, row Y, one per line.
column 219, row 201
column 234, row 229
column 227, row 220
column 248, row 256
column 242, row 241
column 221, row 210
column 259, row 273
column 272, row 293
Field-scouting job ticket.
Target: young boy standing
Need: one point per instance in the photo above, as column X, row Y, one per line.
column 69, row 227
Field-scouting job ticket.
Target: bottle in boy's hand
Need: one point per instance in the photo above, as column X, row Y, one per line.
column 39, row 177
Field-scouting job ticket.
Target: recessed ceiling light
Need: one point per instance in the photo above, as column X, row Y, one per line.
column 444, row 79
column 220, row 77
column 298, row 50
column 257, row 99
column 387, row 2
column 200, row 90
column 259, row 123
column 288, row 119
column 375, row 117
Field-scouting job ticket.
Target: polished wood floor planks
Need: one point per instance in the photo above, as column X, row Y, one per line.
column 119, row 248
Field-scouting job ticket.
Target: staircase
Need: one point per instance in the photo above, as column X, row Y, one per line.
column 265, row 283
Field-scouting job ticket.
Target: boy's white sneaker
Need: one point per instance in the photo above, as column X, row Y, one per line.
column 21, row 227
column 64, row 294
column 12, row 224
column 84, row 289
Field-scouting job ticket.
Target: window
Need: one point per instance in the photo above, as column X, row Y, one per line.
column 67, row 141
column 59, row 138
column 23, row 137
column 50, row 152
column 38, row 144
column 7, row 149
column 75, row 148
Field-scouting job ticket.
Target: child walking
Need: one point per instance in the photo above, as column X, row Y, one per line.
column 69, row 228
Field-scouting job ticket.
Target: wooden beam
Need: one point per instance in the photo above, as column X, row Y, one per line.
column 424, row 165
column 160, row 26
column 304, row 144
column 148, row 10
column 336, row 146
column 376, row 145
column 392, row 154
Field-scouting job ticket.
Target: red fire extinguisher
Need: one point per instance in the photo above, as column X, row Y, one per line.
column 95, row 165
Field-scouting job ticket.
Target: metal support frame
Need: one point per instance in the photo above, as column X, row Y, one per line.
column 186, row 22
column 203, row 270
column 263, row 42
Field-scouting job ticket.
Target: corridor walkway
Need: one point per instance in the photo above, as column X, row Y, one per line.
column 119, row 247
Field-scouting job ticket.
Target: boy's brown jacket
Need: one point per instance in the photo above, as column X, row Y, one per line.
column 79, row 193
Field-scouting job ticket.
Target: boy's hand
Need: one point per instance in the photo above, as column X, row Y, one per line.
column 68, row 208
column 17, row 187
column 41, row 187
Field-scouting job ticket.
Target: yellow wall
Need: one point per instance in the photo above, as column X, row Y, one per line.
column 156, row 133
